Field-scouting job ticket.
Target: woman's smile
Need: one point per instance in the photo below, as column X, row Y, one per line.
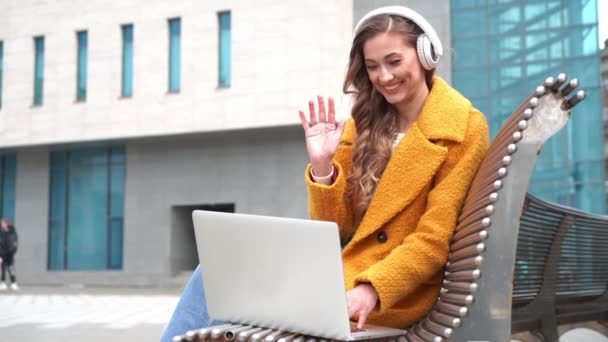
column 392, row 88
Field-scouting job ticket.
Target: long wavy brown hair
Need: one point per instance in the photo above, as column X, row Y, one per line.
column 376, row 120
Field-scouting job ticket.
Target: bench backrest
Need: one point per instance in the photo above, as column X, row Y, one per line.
column 475, row 302
column 561, row 268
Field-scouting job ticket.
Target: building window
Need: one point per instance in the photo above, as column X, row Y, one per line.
column 175, row 32
column 127, row 61
column 38, row 70
column 1, row 66
column 8, row 166
column 225, row 56
column 81, row 75
column 86, row 208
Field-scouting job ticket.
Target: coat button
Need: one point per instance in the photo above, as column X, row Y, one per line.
column 381, row 236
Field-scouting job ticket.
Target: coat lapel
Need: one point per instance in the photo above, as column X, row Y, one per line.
column 417, row 158
column 412, row 166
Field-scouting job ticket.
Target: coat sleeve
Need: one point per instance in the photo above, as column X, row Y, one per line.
column 326, row 202
column 424, row 252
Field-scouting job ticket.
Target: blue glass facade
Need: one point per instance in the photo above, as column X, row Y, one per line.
column 175, row 33
column 81, row 77
column 86, row 208
column 8, row 167
column 225, row 46
column 504, row 49
column 38, row 70
column 127, row 61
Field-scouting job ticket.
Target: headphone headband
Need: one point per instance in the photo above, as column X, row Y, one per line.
column 410, row 14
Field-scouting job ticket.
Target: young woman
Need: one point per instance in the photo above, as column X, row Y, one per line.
column 393, row 177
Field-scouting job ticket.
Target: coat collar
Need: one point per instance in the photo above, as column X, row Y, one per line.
column 417, row 157
column 445, row 113
column 443, row 116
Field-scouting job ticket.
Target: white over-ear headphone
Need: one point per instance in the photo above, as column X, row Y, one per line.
column 428, row 45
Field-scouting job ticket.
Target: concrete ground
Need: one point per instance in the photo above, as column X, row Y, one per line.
column 84, row 314
column 59, row 314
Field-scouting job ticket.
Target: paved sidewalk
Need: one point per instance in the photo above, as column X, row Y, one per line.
column 84, row 314
column 54, row 314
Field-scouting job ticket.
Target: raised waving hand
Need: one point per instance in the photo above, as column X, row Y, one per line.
column 322, row 134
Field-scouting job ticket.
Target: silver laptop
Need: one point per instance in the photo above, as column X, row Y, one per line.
column 276, row 273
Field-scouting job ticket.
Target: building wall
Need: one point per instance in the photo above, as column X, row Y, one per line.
column 259, row 171
column 31, row 211
column 201, row 147
column 283, row 53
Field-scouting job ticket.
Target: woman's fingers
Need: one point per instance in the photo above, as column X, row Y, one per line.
column 331, row 115
column 305, row 123
column 313, row 116
column 322, row 116
column 362, row 318
column 362, row 299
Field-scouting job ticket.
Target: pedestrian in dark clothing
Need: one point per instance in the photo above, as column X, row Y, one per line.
column 8, row 248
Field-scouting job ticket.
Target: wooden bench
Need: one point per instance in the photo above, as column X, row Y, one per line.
column 517, row 263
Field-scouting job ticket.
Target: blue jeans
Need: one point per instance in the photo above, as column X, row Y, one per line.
column 191, row 310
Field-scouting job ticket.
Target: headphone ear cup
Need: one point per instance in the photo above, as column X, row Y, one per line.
column 426, row 55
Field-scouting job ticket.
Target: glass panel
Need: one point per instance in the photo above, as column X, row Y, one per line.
column 469, row 22
column 507, row 80
column 58, row 194
column 581, row 41
column 174, row 54
column 481, row 104
column 577, row 12
column 127, row 60
column 543, row 46
column 9, row 169
column 502, row 106
column 38, row 70
column 467, row 3
column 225, row 49
column 542, row 15
column 528, row 41
column 504, row 19
column 87, row 210
column 500, row 2
column 56, row 253
column 93, row 200
column 471, row 52
column 117, row 188
column 118, row 154
column 471, row 82
column 1, row 67
column 116, row 235
column 536, row 73
column 585, row 69
column 508, row 49
column 81, row 87
column 587, row 141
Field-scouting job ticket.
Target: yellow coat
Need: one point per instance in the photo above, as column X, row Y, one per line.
column 401, row 244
